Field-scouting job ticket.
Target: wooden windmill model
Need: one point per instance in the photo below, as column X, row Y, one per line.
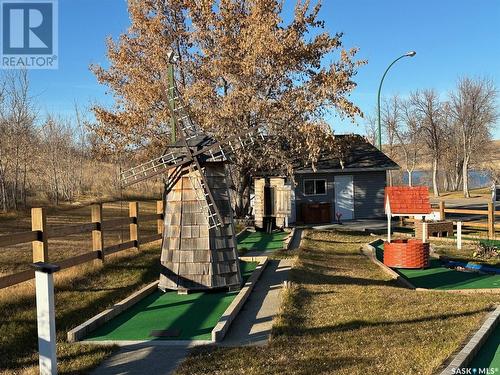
column 199, row 245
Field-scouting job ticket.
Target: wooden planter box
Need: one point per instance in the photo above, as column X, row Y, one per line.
column 435, row 228
column 410, row 253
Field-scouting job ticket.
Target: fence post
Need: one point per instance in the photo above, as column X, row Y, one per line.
column 46, row 317
column 491, row 220
column 97, row 235
column 133, row 209
column 459, row 235
column 159, row 221
column 39, row 224
column 441, row 210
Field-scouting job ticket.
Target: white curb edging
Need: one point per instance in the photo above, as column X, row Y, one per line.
column 79, row 332
column 234, row 308
column 465, row 356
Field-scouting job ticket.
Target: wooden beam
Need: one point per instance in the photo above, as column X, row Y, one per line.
column 152, row 238
column 119, row 247
column 40, row 245
column 69, row 230
column 442, row 210
column 16, row 278
column 97, row 234
column 465, row 211
column 491, row 220
column 134, row 222
column 79, row 259
column 17, row 238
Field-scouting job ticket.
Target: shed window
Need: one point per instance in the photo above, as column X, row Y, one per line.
column 314, row 187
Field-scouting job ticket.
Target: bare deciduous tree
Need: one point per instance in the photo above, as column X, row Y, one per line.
column 473, row 106
column 427, row 109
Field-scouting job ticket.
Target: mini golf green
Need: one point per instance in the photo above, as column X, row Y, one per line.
column 265, row 242
column 193, row 316
column 489, row 354
column 442, row 278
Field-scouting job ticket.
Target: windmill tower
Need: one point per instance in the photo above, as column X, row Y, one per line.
column 199, row 244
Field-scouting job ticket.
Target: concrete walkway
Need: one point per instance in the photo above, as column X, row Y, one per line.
column 253, row 324
column 136, row 360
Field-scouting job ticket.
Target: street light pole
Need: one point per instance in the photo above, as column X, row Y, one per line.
column 408, row 54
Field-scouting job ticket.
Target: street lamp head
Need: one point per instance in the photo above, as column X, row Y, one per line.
column 410, row 54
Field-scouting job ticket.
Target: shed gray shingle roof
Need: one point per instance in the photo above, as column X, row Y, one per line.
column 362, row 156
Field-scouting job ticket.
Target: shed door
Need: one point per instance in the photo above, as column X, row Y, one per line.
column 344, row 197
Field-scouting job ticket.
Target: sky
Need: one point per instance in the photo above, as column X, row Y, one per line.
column 452, row 39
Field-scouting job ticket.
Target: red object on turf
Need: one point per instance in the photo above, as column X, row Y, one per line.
column 410, row 253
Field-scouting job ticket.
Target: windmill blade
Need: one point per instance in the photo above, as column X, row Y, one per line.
column 222, row 150
column 214, row 217
column 153, row 168
column 179, row 112
column 204, row 197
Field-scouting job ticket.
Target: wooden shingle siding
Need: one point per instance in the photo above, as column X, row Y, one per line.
column 194, row 256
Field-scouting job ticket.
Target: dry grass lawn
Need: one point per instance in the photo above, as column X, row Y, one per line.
column 344, row 316
column 81, row 293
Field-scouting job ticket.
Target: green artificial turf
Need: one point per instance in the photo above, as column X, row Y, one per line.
column 194, row 315
column 489, row 354
column 439, row 277
column 266, row 242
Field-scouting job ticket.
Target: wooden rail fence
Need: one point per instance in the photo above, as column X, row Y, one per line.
column 489, row 212
column 41, row 232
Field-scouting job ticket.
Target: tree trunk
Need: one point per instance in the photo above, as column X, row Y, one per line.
column 410, row 177
column 435, row 187
column 465, row 177
column 241, row 208
column 390, row 177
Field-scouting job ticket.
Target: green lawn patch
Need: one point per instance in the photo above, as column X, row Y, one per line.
column 489, row 354
column 265, row 242
column 193, row 315
column 442, row 278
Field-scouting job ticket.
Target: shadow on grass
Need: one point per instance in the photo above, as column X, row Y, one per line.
column 19, row 336
column 359, row 324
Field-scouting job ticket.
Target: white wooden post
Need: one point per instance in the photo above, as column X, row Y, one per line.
column 389, row 228
column 459, row 235
column 45, row 314
column 424, row 231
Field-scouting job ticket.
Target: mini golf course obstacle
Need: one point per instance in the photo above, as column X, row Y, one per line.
column 199, row 247
column 407, row 201
column 437, row 277
column 410, row 253
column 196, row 255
